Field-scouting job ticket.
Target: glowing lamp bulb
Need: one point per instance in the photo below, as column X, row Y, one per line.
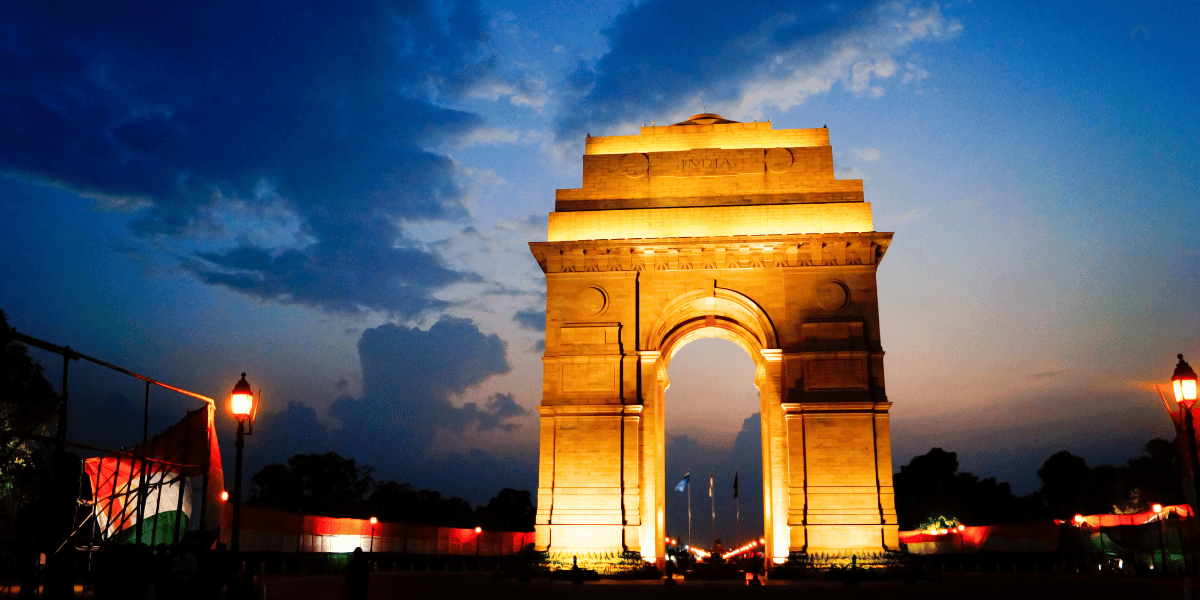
column 1183, row 382
column 242, row 400
column 224, row 496
column 374, row 520
column 1078, row 519
column 478, row 529
column 961, row 527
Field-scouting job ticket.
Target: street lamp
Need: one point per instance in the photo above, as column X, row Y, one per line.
column 478, row 530
column 243, row 406
column 1183, row 383
column 373, row 522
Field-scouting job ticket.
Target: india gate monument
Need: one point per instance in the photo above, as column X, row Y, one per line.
column 713, row 228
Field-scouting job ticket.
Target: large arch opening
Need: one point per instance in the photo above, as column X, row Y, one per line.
column 725, row 314
column 713, row 426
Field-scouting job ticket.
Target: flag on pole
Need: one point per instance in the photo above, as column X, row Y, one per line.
column 683, row 482
column 186, row 449
column 735, row 490
column 710, row 485
column 115, row 481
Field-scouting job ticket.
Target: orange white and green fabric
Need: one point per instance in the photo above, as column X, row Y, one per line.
column 175, row 461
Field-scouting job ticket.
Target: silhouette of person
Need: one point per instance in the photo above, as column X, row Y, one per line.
column 357, row 573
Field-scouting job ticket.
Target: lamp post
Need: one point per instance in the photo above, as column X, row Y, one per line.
column 1162, row 547
column 373, row 522
column 1183, row 383
column 241, row 404
column 1079, row 524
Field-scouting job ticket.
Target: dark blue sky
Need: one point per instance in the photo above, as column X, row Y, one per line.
column 336, row 200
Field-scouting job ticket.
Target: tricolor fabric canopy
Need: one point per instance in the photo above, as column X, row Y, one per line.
column 161, row 473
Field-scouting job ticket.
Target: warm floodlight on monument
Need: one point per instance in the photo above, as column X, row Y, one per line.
column 711, row 228
column 243, row 406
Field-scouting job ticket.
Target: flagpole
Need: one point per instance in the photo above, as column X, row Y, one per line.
column 689, row 490
column 712, row 501
column 737, row 504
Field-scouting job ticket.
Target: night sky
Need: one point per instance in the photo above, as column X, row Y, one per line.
column 336, row 199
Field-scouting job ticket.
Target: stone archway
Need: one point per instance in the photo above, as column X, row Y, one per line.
column 713, row 228
column 726, row 314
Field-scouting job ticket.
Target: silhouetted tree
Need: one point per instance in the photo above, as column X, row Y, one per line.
column 322, row 484
column 930, row 486
column 1156, row 473
column 1064, row 476
column 27, row 406
column 275, row 485
column 510, row 510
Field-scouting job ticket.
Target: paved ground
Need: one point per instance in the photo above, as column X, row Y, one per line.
column 444, row 586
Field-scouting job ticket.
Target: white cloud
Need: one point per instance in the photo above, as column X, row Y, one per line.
column 525, row 91
column 867, row 154
column 863, row 59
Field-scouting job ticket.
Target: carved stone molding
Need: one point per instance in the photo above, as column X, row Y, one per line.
column 683, row 254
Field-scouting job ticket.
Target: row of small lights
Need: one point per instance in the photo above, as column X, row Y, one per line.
column 744, row 548
column 944, row 531
column 1157, row 508
column 698, row 552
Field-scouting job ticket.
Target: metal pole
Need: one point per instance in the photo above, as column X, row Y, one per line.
column 141, row 495
column 62, row 406
column 1191, row 427
column 237, row 489
column 712, row 502
column 1162, row 547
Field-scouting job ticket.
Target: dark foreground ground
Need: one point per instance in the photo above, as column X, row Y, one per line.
column 444, row 586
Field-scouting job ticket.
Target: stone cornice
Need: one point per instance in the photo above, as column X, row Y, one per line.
column 734, row 252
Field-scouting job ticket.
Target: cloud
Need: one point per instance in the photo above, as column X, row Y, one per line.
column 867, row 154
column 523, row 91
column 531, row 319
column 1047, row 374
column 409, row 379
column 752, row 54
column 911, row 214
column 499, row 409
column 209, row 123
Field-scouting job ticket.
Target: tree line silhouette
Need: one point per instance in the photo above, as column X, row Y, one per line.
column 332, row 486
column 930, row 486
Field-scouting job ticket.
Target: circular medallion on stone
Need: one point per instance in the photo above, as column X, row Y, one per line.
column 635, row 165
column 832, row 295
column 590, row 302
column 779, row 160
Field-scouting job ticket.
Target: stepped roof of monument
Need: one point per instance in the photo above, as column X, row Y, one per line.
column 705, row 119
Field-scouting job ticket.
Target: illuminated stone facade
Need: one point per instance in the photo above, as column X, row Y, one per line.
column 713, row 228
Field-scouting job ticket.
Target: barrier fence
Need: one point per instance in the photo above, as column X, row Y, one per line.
column 1149, row 541
column 265, row 529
